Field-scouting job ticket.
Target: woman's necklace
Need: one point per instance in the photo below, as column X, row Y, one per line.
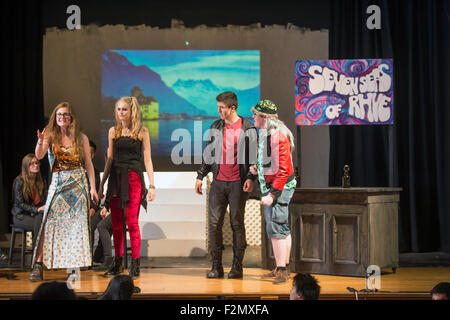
column 127, row 131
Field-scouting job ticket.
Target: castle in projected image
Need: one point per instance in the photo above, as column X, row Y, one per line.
column 177, row 89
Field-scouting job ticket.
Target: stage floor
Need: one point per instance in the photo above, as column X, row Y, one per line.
column 191, row 283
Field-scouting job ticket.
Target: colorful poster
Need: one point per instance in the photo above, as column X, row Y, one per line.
column 344, row 92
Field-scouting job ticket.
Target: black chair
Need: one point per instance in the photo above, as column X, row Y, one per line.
column 14, row 231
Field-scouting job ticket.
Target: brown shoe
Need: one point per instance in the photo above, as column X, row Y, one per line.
column 271, row 274
column 280, row 277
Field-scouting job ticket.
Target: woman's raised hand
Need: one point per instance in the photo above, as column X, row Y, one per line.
column 41, row 135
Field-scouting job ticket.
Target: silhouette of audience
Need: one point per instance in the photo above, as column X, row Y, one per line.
column 121, row 287
column 441, row 291
column 304, row 287
column 53, row 291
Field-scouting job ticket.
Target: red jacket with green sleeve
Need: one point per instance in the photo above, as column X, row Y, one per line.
column 280, row 170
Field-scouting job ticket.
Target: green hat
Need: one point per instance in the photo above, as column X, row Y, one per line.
column 265, row 106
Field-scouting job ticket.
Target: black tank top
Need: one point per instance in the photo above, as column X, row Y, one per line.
column 128, row 153
column 127, row 156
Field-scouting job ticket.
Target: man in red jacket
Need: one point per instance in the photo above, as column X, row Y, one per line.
column 277, row 181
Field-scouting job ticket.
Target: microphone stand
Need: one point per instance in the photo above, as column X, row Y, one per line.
column 354, row 291
column 367, row 290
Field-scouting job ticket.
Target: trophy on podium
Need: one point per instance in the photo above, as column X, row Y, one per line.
column 346, row 177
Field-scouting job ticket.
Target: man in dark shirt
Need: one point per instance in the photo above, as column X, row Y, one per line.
column 231, row 149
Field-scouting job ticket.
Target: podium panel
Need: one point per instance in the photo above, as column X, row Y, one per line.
column 341, row 231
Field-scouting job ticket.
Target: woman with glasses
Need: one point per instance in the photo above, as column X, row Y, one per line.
column 63, row 239
column 29, row 192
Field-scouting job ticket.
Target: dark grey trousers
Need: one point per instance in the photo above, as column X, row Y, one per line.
column 104, row 227
column 222, row 194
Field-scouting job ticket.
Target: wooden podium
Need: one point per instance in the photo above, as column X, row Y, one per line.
column 340, row 231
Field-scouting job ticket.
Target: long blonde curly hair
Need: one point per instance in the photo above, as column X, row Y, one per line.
column 54, row 130
column 135, row 117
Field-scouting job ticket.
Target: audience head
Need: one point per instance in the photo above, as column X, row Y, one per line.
column 441, row 291
column 53, row 291
column 119, row 288
column 304, row 287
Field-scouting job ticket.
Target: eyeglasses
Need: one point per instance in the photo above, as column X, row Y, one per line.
column 65, row 115
column 37, row 163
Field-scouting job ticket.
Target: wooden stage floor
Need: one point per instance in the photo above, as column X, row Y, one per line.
column 190, row 283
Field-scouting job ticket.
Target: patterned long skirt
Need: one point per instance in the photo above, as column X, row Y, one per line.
column 65, row 223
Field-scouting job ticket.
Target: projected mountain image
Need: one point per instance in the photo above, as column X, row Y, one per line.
column 195, row 90
column 120, row 76
column 177, row 89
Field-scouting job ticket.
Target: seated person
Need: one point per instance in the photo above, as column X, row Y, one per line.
column 101, row 220
column 29, row 194
column 304, row 287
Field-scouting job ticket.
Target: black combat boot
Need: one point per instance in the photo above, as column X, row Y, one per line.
column 106, row 265
column 217, row 268
column 236, row 271
column 135, row 269
column 117, row 267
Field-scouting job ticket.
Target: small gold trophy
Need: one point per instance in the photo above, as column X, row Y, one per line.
column 346, row 177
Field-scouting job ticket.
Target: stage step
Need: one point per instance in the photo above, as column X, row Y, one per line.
column 175, row 222
column 177, row 196
column 173, row 248
column 194, row 230
column 174, row 180
column 173, row 212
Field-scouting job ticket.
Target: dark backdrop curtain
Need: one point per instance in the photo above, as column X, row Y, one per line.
column 413, row 153
column 23, row 23
column 22, row 106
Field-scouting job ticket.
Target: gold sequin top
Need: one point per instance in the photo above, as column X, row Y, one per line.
column 65, row 158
